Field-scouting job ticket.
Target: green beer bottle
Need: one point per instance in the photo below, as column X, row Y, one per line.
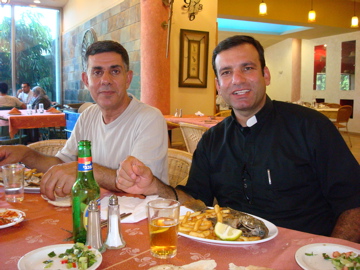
column 84, row 190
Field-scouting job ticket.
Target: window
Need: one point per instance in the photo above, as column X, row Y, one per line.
column 31, row 52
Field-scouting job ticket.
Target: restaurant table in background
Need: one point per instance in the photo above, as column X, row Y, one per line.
column 35, row 120
column 329, row 112
column 44, row 226
column 204, row 121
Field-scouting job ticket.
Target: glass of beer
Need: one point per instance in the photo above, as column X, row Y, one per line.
column 163, row 216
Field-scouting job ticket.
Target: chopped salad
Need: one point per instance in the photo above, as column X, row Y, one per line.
column 344, row 261
column 78, row 257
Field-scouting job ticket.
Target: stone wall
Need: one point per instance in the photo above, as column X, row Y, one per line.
column 120, row 23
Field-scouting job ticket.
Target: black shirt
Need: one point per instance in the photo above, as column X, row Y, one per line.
column 292, row 168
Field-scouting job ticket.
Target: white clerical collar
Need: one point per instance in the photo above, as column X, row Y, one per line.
column 251, row 121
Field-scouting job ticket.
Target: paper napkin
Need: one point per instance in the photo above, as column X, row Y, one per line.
column 53, row 110
column 136, row 206
column 198, row 113
column 14, row 111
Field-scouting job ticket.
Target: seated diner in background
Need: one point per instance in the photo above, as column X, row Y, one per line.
column 279, row 161
column 40, row 97
column 118, row 125
column 25, row 94
column 9, row 101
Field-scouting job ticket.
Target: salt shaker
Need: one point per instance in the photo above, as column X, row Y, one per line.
column 176, row 113
column 93, row 235
column 180, row 115
column 114, row 239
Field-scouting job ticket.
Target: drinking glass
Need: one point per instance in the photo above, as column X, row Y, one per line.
column 41, row 107
column 13, row 176
column 163, row 217
column 29, row 109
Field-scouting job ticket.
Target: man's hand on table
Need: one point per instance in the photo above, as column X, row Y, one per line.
column 59, row 179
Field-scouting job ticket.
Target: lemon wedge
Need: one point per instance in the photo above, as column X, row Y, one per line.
column 226, row 232
column 160, row 230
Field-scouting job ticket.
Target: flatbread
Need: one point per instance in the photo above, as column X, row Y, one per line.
column 250, row 267
column 199, row 265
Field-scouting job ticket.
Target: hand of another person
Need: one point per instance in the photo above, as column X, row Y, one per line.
column 59, row 180
column 12, row 153
column 135, row 178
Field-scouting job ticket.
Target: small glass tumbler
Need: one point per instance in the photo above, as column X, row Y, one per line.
column 13, row 176
column 41, row 107
column 29, row 109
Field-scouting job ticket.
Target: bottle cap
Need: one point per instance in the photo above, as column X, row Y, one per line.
column 113, row 200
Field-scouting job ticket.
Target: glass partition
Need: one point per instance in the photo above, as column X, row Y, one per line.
column 319, row 82
column 347, row 78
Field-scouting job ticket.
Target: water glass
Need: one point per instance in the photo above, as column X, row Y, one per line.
column 41, row 107
column 29, row 109
column 13, row 176
column 163, row 217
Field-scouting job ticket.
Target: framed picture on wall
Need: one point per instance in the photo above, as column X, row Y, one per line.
column 193, row 64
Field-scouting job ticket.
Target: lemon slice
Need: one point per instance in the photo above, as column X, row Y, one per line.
column 160, row 230
column 226, row 232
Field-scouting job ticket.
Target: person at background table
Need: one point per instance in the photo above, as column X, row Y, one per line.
column 276, row 160
column 40, row 97
column 118, row 125
column 9, row 101
column 25, row 94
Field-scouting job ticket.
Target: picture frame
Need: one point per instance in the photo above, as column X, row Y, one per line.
column 193, row 62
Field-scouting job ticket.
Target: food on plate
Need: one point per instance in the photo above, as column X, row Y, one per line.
column 32, row 177
column 8, row 216
column 199, row 265
column 78, row 257
column 250, row 267
column 202, row 223
column 344, row 261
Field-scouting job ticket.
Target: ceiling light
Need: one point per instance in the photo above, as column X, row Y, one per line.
column 4, row 1
column 37, row 1
column 354, row 19
column 262, row 8
column 312, row 14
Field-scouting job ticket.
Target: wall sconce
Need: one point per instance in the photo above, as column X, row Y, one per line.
column 354, row 19
column 262, row 8
column 312, row 14
column 192, row 7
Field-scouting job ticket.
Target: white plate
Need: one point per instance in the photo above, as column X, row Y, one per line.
column 31, row 189
column 273, row 232
column 317, row 262
column 34, row 259
column 16, row 220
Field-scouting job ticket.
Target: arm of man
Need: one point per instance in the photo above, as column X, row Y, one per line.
column 348, row 225
column 136, row 178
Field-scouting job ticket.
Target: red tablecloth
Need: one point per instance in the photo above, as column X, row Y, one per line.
column 44, row 222
column 36, row 120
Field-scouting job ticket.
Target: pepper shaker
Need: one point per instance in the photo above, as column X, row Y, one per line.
column 114, row 239
column 93, row 235
column 180, row 115
column 176, row 113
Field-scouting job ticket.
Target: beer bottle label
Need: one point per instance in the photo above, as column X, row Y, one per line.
column 85, row 164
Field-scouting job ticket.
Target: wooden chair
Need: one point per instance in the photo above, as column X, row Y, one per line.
column 48, row 147
column 342, row 119
column 179, row 166
column 333, row 105
column 225, row 113
column 192, row 135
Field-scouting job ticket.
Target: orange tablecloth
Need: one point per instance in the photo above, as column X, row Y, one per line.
column 43, row 223
column 36, row 120
column 204, row 121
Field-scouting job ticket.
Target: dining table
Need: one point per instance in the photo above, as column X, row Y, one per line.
column 200, row 120
column 329, row 112
column 46, row 224
column 28, row 121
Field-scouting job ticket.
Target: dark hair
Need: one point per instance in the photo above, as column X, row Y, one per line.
column 236, row 41
column 4, row 88
column 28, row 84
column 107, row 46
